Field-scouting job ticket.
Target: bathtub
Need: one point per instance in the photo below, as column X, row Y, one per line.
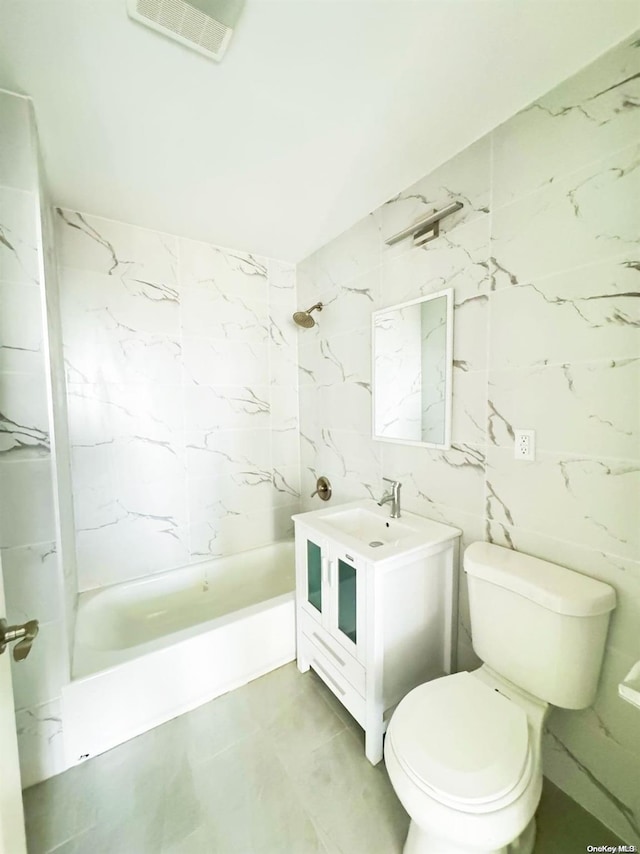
column 148, row 650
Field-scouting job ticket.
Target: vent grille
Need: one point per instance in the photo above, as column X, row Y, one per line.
column 184, row 23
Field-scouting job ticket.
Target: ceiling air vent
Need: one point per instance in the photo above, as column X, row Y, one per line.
column 191, row 24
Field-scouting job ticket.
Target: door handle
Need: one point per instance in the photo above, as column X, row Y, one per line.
column 25, row 635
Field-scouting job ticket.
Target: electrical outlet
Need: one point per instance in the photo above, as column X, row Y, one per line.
column 525, row 445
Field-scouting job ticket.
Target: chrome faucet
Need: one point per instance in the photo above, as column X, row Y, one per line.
column 392, row 495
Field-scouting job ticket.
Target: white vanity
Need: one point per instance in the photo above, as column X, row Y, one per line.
column 375, row 606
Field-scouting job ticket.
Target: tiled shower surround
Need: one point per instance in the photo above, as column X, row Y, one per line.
column 544, row 259
column 181, row 370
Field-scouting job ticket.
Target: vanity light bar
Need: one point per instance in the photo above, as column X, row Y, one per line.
column 425, row 229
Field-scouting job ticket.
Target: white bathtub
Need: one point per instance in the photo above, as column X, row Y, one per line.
column 148, row 650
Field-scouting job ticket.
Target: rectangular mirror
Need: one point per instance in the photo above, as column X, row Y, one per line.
column 412, row 371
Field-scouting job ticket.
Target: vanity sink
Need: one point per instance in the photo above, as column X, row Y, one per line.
column 368, row 530
column 368, row 527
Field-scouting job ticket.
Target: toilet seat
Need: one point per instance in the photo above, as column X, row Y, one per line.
column 463, row 743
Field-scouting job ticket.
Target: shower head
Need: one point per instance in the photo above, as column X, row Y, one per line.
column 304, row 319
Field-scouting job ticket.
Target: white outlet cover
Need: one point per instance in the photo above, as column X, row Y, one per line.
column 524, row 445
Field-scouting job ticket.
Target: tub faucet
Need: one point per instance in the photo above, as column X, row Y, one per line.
column 392, row 495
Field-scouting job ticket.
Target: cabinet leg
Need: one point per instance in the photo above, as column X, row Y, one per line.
column 373, row 744
column 303, row 664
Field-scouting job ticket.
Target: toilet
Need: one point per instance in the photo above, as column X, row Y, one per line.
column 463, row 752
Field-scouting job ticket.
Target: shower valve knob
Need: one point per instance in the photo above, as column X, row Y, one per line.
column 323, row 489
column 25, row 635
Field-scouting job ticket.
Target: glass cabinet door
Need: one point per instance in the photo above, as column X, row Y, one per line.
column 314, row 575
column 347, row 600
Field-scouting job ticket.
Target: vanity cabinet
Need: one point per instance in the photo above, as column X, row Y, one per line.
column 333, row 581
column 374, row 621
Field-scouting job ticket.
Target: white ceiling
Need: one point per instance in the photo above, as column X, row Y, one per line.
column 320, row 111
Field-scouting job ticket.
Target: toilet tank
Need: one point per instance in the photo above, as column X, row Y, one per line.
column 540, row 625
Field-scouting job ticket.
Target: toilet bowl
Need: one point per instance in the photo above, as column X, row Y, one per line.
column 474, row 784
column 463, row 752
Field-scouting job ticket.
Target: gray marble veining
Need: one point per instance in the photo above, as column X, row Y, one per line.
column 180, row 363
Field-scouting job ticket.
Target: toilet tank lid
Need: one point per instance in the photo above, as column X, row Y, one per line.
column 553, row 587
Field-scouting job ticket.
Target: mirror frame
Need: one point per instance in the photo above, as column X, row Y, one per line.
column 448, row 387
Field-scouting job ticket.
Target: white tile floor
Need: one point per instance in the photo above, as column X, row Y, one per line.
column 276, row 767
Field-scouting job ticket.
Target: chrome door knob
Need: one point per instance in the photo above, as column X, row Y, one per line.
column 25, row 635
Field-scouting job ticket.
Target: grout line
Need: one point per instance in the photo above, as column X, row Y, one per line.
column 557, row 180
column 487, row 426
column 630, row 254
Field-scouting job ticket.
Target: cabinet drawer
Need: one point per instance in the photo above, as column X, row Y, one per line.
column 344, row 663
column 353, row 702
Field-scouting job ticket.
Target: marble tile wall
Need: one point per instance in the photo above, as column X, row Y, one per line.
column 181, row 371
column 544, row 259
column 28, row 514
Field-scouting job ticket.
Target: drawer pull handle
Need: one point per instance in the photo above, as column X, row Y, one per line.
column 328, row 648
column 330, row 679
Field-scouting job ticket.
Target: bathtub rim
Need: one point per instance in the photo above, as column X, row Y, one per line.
column 141, row 580
column 179, row 638
column 87, row 660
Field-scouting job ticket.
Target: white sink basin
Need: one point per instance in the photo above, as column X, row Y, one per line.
column 367, row 529
column 370, row 528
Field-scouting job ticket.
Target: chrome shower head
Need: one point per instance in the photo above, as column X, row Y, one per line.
column 304, row 319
